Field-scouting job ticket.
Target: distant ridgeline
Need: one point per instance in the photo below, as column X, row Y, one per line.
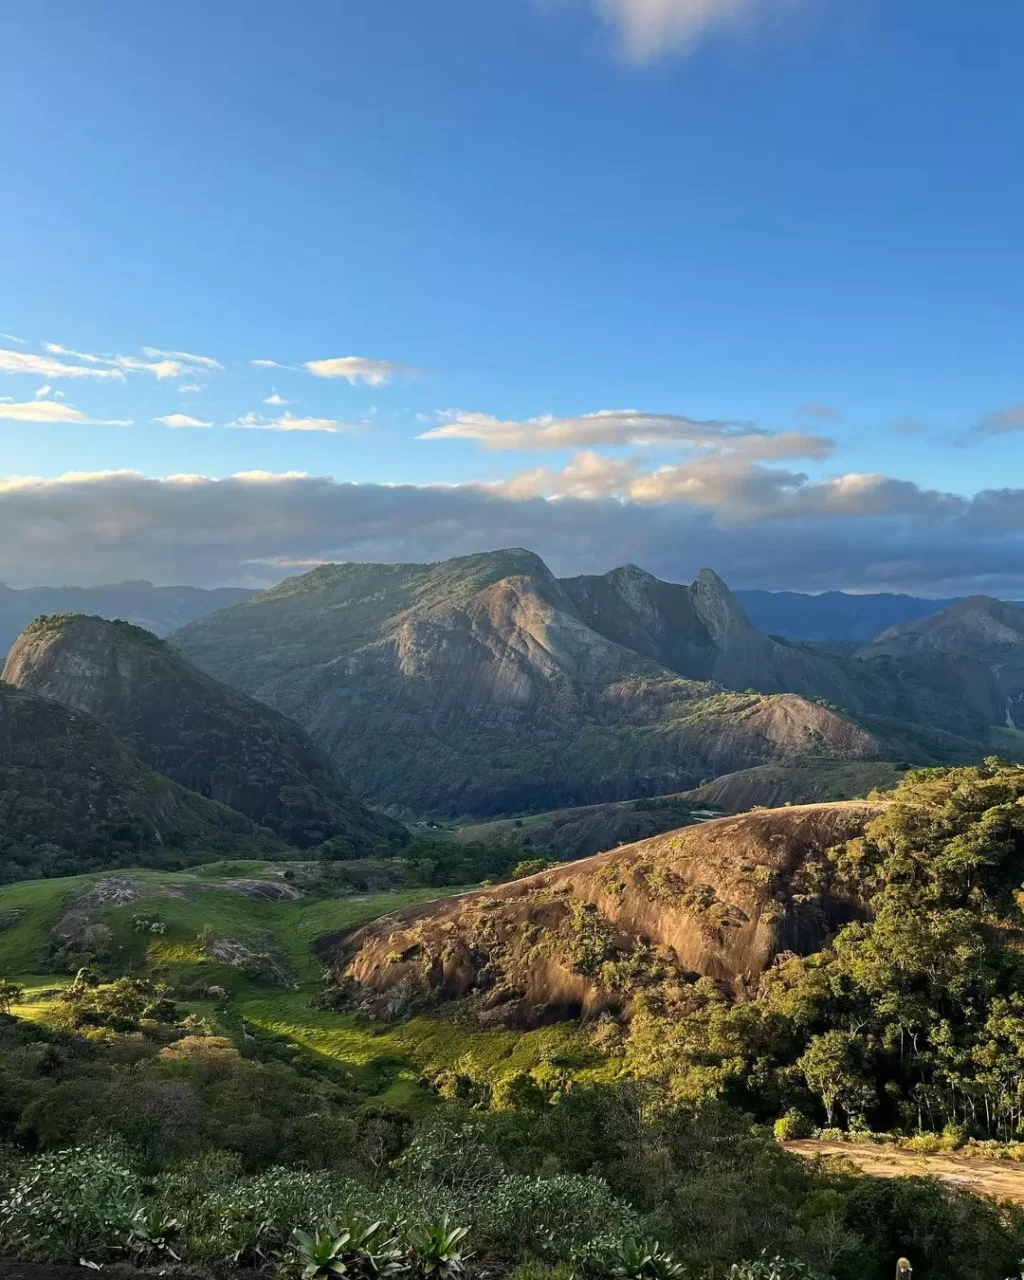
column 485, row 685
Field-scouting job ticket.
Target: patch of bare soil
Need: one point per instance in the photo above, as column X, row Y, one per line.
column 1003, row 1179
column 11, row 1269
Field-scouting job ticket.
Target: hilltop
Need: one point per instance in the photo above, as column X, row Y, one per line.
column 187, row 726
column 72, row 797
column 583, row 830
column 976, row 630
column 485, row 685
column 719, row 900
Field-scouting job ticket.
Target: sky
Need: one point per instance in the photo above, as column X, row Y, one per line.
column 736, row 283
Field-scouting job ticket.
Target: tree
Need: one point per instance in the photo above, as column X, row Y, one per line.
column 10, row 995
column 529, row 867
column 833, row 1068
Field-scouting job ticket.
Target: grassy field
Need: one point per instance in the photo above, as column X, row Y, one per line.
column 192, row 906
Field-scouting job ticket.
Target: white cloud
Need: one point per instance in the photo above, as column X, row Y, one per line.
column 160, row 369
column 55, row 411
column 267, row 364
column 260, row 422
column 625, row 427
column 10, row 337
column 648, row 28
column 738, row 490
column 376, row 373
column 183, row 357
column 190, row 388
column 44, row 367
column 161, row 364
column 43, row 392
column 181, row 420
column 275, row 399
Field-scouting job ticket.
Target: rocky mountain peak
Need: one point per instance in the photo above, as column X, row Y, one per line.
column 718, row 608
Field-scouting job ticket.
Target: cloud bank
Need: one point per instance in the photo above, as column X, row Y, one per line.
column 858, row 533
column 625, row 427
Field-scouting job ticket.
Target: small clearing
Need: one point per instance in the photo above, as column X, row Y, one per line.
column 1002, row 1179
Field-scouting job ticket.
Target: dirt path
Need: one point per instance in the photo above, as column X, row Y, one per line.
column 1001, row 1178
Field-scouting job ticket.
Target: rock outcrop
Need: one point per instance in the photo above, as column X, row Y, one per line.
column 720, row 900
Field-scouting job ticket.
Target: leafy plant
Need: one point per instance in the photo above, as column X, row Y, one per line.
column 68, row 1204
column 323, row 1253
column 765, row 1268
column 151, row 1233
column 553, row 1217
column 436, row 1249
column 633, row 1261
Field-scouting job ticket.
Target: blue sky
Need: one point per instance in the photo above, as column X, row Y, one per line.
column 784, row 234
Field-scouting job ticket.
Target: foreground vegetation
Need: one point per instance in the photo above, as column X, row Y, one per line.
column 171, row 1099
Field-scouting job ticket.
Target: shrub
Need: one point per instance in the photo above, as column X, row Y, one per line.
column 765, row 1268
column 626, row 1259
column 518, row 1091
column 529, row 867
column 794, row 1124
column 68, row 1204
column 244, row 1222
column 552, row 1217
column 452, row 1156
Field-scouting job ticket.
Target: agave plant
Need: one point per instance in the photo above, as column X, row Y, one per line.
column 633, row 1261
column 324, row 1253
column 364, row 1250
column 436, row 1250
column 150, row 1234
column 376, row 1252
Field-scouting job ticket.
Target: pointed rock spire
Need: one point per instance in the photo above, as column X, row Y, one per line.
column 718, row 608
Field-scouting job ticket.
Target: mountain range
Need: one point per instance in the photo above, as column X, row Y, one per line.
column 486, row 685
column 837, row 616
column 978, row 630
column 833, row 616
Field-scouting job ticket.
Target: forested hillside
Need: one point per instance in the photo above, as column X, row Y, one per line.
column 179, row 1084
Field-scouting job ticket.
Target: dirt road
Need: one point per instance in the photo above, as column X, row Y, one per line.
column 1001, row 1178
